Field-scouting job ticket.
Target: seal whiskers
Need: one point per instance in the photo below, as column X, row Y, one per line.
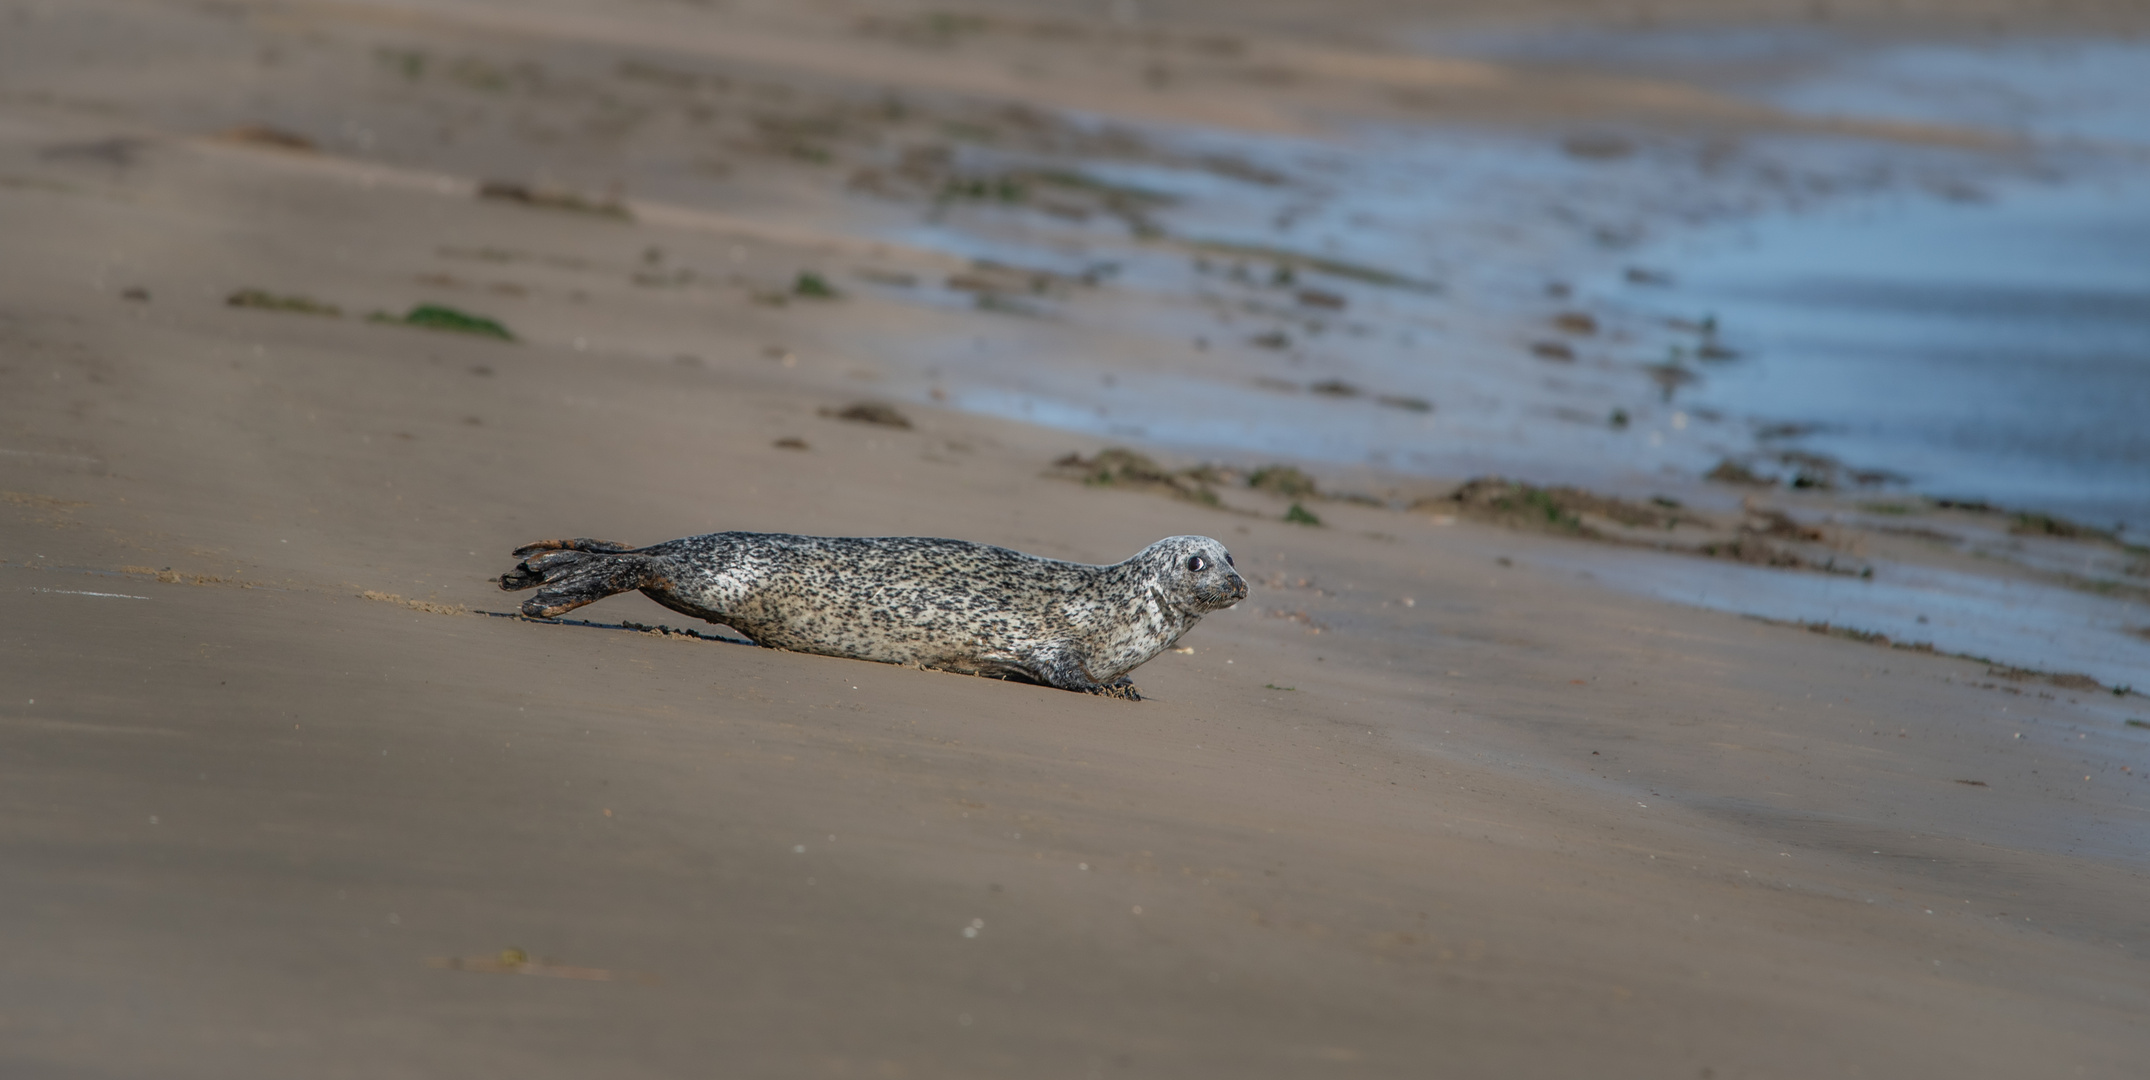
column 948, row 604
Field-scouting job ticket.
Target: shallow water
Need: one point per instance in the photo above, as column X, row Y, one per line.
column 2055, row 90
column 1469, row 227
column 1975, row 324
column 1984, row 337
column 2014, row 622
column 1996, row 350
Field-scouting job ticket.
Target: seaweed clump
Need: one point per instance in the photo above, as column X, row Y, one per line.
column 1123, row 468
column 1865, row 637
column 1754, row 551
column 2033, row 523
column 1285, row 480
column 1548, row 509
column 1729, row 471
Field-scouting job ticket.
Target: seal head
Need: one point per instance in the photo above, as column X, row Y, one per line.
column 1194, row 574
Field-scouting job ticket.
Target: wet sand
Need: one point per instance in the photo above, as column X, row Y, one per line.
column 286, row 792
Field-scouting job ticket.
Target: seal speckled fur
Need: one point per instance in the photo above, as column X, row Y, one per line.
column 948, row 604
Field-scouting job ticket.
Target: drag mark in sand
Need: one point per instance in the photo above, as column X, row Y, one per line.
column 170, row 576
column 81, row 592
column 427, row 606
column 83, row 458
column 518, row 962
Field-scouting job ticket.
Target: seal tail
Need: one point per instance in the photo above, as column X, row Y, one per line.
column 571, row 573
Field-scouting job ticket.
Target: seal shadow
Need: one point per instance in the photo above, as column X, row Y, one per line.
column 622, row 625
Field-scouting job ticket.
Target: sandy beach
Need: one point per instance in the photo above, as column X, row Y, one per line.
column 1537, row 782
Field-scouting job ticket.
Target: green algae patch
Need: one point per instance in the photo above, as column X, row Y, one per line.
column 442, row 317
column 813, row 286
column 1300, row 515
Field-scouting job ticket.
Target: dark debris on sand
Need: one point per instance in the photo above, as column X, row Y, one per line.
column 879, row 413
column 263, row 300
column 551, row 199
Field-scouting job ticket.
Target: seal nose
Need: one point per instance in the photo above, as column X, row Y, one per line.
column 1239, row 587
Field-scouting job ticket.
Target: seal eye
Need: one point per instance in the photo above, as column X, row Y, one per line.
column 1198, row 564
column 1228, row 559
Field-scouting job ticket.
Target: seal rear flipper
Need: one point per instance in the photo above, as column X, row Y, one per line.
column 583, row 543
column 571, row 573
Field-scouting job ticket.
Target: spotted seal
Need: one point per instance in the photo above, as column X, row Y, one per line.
column 947, row 604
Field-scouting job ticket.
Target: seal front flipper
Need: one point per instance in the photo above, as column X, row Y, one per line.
column 1122, row 687
column 1064, row 670
column 571, row 573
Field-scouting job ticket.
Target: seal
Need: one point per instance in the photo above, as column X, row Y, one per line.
column 947, row 604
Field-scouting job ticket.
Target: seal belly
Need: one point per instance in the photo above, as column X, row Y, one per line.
column 891, row 625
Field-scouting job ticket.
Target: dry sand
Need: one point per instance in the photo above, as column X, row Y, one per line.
column 279, row 782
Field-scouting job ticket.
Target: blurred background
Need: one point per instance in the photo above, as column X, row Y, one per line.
column 1884, row 257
